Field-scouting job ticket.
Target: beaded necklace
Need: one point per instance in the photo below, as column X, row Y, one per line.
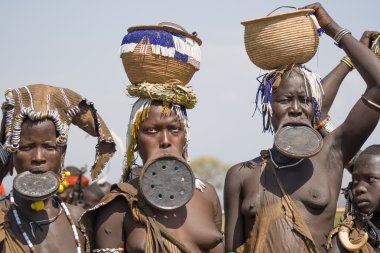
column 25, row 235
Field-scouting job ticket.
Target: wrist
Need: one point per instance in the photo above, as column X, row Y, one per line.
column 332, row 29
column 339, row 36
column 347, row 61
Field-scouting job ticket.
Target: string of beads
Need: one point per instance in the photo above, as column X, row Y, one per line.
column 25, row 235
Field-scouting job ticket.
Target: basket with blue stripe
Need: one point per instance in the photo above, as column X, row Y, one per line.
column 160, row 54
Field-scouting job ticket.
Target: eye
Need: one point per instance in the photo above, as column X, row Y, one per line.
column 175, row 129
column 372, row 179
column 305, row 100
column 24, row 148
column 354, row 182
column 151, row 130
column 51, row 148
column 284, row 100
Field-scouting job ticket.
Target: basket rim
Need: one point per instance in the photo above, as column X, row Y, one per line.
column 165, row 28
column 291, row 13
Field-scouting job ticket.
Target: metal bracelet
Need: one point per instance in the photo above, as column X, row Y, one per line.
column 346, row 60
column 338, row 37
column 371, row 102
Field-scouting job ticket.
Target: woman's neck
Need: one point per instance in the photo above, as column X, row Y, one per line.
column 24, row 207
column 280, row 158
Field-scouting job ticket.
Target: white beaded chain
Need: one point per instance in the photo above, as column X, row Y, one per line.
column 74, row 228
column 18, row 221
column 25, row 235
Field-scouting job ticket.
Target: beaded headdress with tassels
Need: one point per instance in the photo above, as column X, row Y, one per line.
column 159, row 62
column 270, row 81
column 61, row 105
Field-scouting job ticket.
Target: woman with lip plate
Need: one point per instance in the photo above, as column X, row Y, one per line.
column 124, row 221
column 279, row 203
column 158, row 208
column 33, row 139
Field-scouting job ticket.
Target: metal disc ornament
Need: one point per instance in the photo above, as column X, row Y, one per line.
column 167, row 183
column 298, row 141
column 36, row 186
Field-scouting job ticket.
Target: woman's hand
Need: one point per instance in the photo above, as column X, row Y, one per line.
column 325, row 21
column 368, row 37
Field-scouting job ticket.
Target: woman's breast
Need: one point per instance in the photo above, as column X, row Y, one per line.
column 249, row 205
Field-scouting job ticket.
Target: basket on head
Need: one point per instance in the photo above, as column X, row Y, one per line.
column 282, row 39
column 160, row 53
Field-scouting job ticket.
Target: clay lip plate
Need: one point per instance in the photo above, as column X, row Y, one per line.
column 298, row 141
column 36, row 186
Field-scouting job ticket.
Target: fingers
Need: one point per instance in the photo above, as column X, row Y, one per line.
column 324, row 19
column 314, row 6
column 368, row 37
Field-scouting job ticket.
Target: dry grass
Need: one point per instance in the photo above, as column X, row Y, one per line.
column 338, row 214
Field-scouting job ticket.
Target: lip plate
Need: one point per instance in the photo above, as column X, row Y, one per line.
column 298, row 141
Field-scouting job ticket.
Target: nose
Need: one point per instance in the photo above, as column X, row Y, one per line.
column 165, row 140
column 38, row 156
column 359, row 188
column 295, row 108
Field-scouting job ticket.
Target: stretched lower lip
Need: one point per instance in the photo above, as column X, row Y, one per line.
column 294, row 124
column 362, row 203
column 37, row 170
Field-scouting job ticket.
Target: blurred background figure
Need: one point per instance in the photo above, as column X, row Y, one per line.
column 2, row 191
column 93, row 193
column 73, row 194
column 79, row 192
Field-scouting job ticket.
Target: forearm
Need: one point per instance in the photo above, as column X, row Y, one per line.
column 331, row 84
column 364, row 60
column 367, row 64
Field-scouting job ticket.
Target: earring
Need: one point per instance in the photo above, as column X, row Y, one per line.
column 38, row 205
column 64, row 184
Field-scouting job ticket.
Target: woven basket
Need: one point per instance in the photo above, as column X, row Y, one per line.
column 281, row 39
column 376, row 46
column 152, row 68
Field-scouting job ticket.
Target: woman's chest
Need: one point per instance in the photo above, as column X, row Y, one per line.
column 311, row 190
column 57, row 236
column 192, row 226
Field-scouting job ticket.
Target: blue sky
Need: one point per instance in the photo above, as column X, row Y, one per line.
column 75, row 44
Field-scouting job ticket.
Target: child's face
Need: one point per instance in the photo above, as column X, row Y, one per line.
column 366, row 183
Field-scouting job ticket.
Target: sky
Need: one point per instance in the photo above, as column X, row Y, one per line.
column 75, row 44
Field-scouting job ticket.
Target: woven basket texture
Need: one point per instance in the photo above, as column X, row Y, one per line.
column 151, row 68
column 281, row 39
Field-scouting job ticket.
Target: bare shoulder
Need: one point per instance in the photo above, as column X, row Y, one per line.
column 114, row 211
column 209, row 191
column 109, row 223
column 75, row 211
column 242, row 170
column 4, row 205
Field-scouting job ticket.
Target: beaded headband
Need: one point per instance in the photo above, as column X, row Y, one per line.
column 62, row 106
